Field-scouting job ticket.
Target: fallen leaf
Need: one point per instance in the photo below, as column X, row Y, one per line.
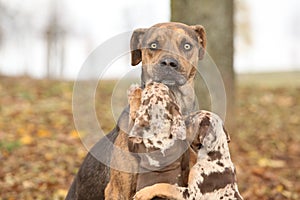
column 43, row 133
column 74, row 134
column 26, row 139
column 265, row 162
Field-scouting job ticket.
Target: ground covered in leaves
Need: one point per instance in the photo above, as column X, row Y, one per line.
column 40, row 150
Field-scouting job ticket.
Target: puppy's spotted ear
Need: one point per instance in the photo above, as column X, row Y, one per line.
column 199, row 29
column 178, row 129
column 138, row 120
column 204, row 127
column 137, row 131
column 227, row 134
column 135, row 46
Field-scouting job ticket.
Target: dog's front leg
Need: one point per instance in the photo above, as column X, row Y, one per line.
column 122, row 184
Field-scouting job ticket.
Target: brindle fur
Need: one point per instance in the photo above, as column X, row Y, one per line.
column 93, row 176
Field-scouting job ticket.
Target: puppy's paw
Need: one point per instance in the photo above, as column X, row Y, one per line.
column 134, row 91
column 134, row 99
column 143, row 194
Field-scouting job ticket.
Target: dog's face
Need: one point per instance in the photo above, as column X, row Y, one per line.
column 169, row 52
column 205, row 130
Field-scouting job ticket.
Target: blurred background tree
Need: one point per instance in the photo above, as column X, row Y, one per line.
column 55, row 35
column 1, row 31
column 217, row 18
column 242, row 26
column 6, row 17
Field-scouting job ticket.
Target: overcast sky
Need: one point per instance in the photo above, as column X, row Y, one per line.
column 274, row 29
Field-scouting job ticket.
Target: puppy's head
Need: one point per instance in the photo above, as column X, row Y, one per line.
column 169, row 52
column 158, row 116
column 205, row 130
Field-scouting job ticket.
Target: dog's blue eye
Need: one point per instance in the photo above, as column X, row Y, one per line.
column 187, row 46
column 153, row 45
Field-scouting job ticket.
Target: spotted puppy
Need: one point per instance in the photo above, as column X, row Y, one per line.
column 157, row 136
column 213, row 176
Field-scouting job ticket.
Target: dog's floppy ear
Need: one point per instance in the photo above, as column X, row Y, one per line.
column 199, row 29
column 135, row 46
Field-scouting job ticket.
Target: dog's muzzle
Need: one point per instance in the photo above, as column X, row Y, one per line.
column 167, row 72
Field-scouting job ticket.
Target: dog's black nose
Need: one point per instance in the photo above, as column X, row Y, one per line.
column 171, row 62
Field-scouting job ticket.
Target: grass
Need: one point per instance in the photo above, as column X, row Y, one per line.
column 270, row 80
column 41, row 151
column 9, row 146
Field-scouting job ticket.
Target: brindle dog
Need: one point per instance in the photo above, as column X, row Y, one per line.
column 169, row 53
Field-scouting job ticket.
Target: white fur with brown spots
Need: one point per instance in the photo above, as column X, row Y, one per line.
column 213, row 176
column 158, row 123
column 158, row 136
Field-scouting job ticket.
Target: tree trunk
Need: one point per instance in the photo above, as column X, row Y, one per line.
column 217, row 18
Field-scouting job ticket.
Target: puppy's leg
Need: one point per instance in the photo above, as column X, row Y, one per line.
column 122, row 184
column 163, row 190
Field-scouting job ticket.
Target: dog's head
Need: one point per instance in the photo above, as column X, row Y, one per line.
column 169, row 52
column 155, row 115
column 205, row 130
